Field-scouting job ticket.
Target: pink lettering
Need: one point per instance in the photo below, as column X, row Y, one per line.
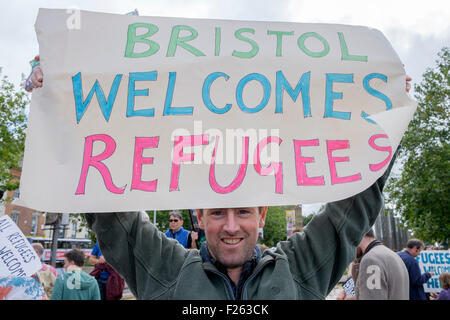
column 241, row 173
column 179, row 156
column 379, row 166
column 333, row 145
column 300, row 164
column 140, row 144
column 276, row 167
column 96, row 161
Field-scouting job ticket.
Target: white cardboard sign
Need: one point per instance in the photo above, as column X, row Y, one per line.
column 437, row 261
column 17, row 256
column 144, row 113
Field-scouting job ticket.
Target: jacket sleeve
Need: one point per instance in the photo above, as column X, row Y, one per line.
column 319, row 255
column 147, row 260
column 417, row 278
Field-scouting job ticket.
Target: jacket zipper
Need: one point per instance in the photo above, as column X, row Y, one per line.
column 227, row 283
column 254, row 274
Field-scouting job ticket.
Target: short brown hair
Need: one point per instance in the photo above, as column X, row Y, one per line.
column 76, row 256
column 444, row 278
column 370, row 234
column 412, row 243
column 260, row 210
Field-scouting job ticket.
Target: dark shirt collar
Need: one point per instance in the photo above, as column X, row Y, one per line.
column 247, row 269
column 179, row 230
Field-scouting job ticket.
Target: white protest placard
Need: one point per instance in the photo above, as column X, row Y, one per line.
column 437, row 261
column 17, row 256
column 140, row 113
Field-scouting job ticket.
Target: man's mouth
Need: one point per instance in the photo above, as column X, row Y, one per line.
column 231, row 240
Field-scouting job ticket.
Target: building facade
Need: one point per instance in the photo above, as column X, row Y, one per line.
column 32, row 222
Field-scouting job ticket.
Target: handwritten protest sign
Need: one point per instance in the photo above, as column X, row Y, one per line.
column 144, row 113
column 17, row 256
column 437, row 261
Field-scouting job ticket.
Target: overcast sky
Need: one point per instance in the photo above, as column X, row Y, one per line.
column 417, row 29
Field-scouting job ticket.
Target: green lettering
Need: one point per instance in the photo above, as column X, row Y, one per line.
column 301, row 45
column 218, row 39
column 255, row 48
column 344, row 51
column 132, row 38
column 176, row 40
column 279, row 35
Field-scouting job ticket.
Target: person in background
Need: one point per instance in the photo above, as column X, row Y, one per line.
column 176, row 231
column 416, row 278
column 348, row 288
column 444, row 278
column 381, row 274
column 75, row 284
column 110, row 283
column 47, row 274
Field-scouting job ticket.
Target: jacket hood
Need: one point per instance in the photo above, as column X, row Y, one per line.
column 77, row 279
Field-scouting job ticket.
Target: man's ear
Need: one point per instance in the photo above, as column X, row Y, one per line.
column 200, row 218
column 262, row 217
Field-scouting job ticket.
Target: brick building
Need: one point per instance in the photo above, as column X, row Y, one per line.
column 29, row 221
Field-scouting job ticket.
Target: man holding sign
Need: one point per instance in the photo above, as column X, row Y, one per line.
column 228, row 265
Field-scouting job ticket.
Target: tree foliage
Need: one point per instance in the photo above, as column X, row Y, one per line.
column 275, row 227
column 421, row 194
column 12, row 130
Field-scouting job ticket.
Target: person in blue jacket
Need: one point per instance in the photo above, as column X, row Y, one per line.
column 416, row 278
column 176, row 230
column 96, row 257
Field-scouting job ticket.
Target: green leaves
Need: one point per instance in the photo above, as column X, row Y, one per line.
column 12, row 130
column 421, row 193
column 275, row 226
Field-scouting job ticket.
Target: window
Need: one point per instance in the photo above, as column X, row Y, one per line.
column 16, row 194
column 15, row 217
column 61, row 231
column 34, row 223
column 74, row 229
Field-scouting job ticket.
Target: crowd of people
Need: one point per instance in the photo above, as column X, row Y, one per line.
column 383, row 274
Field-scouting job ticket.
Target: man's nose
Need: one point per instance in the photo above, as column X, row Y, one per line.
column 231, row 224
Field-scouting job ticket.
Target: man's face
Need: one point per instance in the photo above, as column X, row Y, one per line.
column 232, row 233
column 416, row 251
column 66, row 263
column 175, row 223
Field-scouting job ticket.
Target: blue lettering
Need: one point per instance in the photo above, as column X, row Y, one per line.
column 433, row 283
column 266, row 86
column 441, row 258
column 207, row 96
column 375, row 93
column 431, row 258
column 424, row 258
column 302, row 85
column 330, row 95
column 168, row 109
column 105, row 105
column 132, row 92
column 447, row 257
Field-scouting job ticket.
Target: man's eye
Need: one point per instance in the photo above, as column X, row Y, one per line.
column 243, row 212
column 216, row 213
